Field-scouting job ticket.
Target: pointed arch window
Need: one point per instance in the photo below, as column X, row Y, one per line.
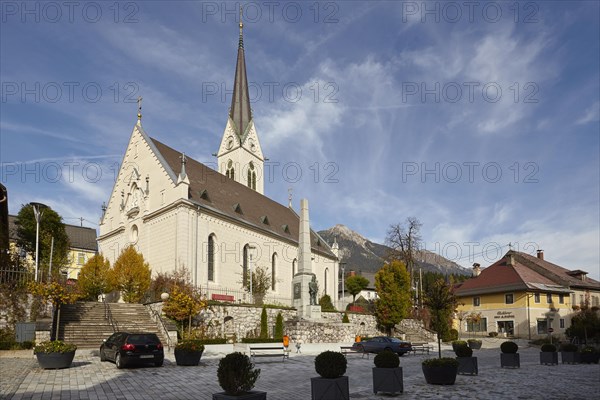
column 211, row 258
column 273, row 270
column 325, row 280
column 245, row 267
column 251, row 176
column 230, row 173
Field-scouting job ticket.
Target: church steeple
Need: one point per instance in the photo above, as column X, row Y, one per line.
column 240, row 111
column 240, row 156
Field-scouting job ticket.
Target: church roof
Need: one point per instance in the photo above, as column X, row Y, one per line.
column 218, row 193
column 240, row 112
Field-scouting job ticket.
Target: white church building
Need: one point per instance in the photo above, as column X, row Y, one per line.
column 218, row 225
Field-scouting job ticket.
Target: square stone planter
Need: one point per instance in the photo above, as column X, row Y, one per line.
column 467, row 365
column 510, row 360
column 251, row 395
column 330, row 389
column 569, row 357
column 388, row 380
column 548, row 358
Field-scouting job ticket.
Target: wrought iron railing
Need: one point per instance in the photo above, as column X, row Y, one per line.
column 108, row 316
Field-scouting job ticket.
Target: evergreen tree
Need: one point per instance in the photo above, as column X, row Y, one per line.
column 392, row 283
column 264, row 327
column 278, row 327
column 326, row 303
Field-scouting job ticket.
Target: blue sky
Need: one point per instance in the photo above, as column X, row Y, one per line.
column 480, row 120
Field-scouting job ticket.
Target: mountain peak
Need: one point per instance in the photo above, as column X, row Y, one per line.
column 342, row 231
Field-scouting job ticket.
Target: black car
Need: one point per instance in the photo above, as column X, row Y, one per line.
column 378, row 344
column 126, row 348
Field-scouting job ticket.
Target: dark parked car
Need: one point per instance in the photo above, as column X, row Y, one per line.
column 378, row 344
column 126, row 348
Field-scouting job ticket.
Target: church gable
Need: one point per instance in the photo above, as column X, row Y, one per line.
column 144, row 182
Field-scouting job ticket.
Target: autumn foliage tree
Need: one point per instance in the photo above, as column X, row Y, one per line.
column 131, row 275
column 182, row 305
column 392, row 283
column 94, row 278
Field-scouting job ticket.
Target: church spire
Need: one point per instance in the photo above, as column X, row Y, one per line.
column 240, row 112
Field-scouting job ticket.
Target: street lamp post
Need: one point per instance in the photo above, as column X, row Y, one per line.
column 37, row 212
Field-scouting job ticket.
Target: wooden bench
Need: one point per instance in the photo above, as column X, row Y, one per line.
column 271, row 351
column 349, row 350
column 222, row 297
column 421, row 348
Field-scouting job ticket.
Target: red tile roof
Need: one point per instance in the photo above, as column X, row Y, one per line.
column 526, row 272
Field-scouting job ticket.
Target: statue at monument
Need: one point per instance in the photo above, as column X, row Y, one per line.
column 313, row 288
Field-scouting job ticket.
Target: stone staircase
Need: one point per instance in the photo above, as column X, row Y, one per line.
column 86, row 323
column 415, row 332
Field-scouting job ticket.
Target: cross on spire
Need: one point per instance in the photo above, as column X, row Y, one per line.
column 139, row 103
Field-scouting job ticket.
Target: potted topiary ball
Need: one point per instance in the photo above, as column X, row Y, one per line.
column 54, row 354
column 548, row 355
column 467, row 364
column 387, row 373
column 569, row 354
column 440, row 371
column 474, row 344
column 509, row 357
column 237, row 377
column 332, row 384
column 589, row 355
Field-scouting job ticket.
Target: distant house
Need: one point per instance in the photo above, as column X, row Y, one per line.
column 523, row 296
column 83, row 245
column 369, row 293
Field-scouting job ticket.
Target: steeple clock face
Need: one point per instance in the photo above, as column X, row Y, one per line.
column 230, row 142
column 252, row 145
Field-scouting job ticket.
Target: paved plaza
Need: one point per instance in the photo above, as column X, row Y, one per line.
column 88, row 378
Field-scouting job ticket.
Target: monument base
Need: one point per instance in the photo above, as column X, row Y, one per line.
column 309, row 312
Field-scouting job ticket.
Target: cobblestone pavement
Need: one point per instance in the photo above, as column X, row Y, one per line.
column 90, row 379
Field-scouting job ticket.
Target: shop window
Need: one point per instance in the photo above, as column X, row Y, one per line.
column 542, row 326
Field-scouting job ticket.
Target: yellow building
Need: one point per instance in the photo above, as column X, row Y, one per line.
column 82, row 247
column 523, row 296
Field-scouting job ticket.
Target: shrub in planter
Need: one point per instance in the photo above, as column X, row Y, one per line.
column 463, row 351
column 330, row 364
column 569, row 354
column 509, row 347
column 440, row 371
column 589, row 355
column 188, row 352
column 54, row 354
column 237, row 377
column 331, row 385
column 458, row 343
column 387, row 374
column 467, row 364
column 548, row 355
column 475, row 344
column 509, row 357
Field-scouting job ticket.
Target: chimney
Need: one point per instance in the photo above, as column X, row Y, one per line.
column 540, row 254
column 511, row 259
column 352, row 273
column 476, row 270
